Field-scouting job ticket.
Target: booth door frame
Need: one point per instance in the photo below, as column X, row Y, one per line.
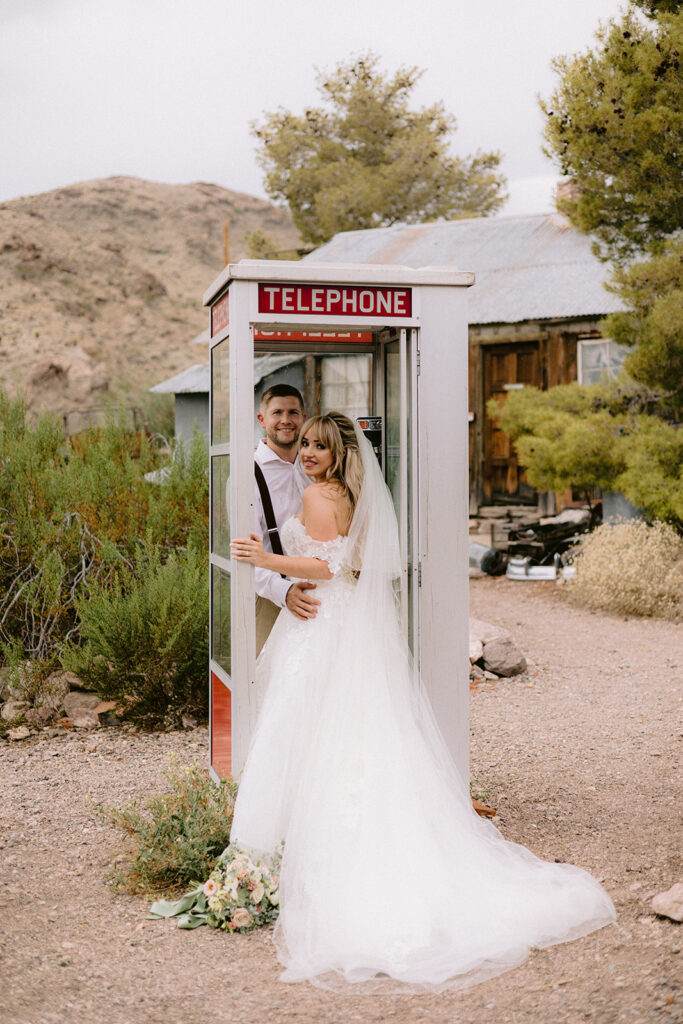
column 407, row 341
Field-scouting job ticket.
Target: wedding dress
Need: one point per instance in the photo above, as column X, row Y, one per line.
column 389, row 878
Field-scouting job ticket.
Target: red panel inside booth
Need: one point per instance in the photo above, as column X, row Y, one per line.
column 221, row 726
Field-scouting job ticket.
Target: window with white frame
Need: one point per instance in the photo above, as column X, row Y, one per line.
column 599, row 359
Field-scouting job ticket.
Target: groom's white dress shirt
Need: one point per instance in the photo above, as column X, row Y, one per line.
column 286, row 483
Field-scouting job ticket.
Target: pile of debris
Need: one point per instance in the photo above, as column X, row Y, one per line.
column 535, row 547
column 492, row 653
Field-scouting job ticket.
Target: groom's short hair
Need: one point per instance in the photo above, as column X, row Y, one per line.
column 281, row 391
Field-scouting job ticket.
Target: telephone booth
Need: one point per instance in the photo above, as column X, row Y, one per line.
column 382, row 344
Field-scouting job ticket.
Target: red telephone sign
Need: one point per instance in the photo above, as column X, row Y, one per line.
column 334, row 300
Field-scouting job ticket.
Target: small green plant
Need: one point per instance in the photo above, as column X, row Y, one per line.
column 631, row 569
column 147, row 638
column 175, row 837
column 480, row 791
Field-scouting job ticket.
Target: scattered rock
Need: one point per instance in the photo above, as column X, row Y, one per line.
column 502, row 657
column 65, row 680
column 21, row 732
column 477, row 673
column 670, row 903
column 104, row 706
column 12, row 709
column 76, row 701
column 490, row 675
column 40, row 714
column 82, row 718
column 476, row 650
column 484, row 632
column 189, row 722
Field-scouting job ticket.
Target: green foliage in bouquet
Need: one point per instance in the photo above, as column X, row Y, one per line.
column 146, row 638
column 239, row 895
column 175, row 837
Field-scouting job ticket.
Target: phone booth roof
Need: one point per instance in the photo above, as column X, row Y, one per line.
column 302, row 293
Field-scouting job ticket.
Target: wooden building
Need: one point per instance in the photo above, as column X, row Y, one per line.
column 535, row 317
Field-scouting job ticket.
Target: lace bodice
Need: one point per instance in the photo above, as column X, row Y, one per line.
column 297, row 543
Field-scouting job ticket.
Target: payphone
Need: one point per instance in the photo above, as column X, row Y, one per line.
column 386, row 346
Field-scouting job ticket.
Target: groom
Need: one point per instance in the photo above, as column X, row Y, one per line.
column 281, row 416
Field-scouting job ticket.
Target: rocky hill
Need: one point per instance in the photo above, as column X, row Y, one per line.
column 101, row 283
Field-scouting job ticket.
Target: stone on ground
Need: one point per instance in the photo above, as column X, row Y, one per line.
column 502, row 657
column 670, row 903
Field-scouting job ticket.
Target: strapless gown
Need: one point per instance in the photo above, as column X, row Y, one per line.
column 389, row 879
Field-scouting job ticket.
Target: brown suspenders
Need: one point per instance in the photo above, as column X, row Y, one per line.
column 268, row 513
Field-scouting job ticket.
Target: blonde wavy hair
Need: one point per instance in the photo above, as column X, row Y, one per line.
column 338, row 433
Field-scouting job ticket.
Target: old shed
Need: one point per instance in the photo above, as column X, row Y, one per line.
column 535, row 317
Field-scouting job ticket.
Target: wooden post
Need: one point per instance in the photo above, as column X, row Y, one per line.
column 226, row 243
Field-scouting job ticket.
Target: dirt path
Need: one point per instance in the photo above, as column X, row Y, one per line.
column 580, row 757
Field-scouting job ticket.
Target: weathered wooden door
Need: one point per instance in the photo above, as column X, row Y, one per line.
column 506, row 368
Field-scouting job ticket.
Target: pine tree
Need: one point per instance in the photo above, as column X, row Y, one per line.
column 365, row 159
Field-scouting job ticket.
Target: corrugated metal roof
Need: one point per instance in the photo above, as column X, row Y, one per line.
column 196, row 379
column 527, row 268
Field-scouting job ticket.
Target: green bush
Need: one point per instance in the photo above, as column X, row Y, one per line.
column 74, row 512
column 631, row 569
column 175, row 837
column 599, row 436
column 146, row 637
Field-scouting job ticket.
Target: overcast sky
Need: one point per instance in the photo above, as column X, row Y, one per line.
column 165, row 89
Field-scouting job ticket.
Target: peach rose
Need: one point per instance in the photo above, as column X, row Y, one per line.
column 257, row 892
column 241, row 918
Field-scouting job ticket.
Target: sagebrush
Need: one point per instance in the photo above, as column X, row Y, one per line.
column 74, row 515
column 174, row 837
column 146, row 638
column 631, row 569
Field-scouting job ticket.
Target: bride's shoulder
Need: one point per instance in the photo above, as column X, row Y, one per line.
column 320, row 511
column 316, row 494
column 316, row 499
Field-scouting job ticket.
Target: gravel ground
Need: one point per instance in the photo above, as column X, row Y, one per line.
column 580, row 758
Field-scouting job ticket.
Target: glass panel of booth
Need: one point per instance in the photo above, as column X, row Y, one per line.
column 392, row 391
column 346, row 385
column 220, row 618
column 220, row 527
column 220, row 392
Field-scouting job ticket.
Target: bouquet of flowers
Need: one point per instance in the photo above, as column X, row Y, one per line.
column 240, row 894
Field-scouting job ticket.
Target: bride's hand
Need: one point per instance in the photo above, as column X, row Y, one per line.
column 249, row 549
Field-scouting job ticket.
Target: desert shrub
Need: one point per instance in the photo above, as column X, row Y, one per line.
column 599, row 436
column 631, row 569
column 175, row 837
column 146, row 637
column 73, row 512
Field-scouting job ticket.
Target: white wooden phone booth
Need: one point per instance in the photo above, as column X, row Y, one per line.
column 387, row 342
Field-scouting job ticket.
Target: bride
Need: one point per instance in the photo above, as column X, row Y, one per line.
column 389, row 878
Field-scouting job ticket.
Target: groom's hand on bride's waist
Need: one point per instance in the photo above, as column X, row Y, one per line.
column 300, row 602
